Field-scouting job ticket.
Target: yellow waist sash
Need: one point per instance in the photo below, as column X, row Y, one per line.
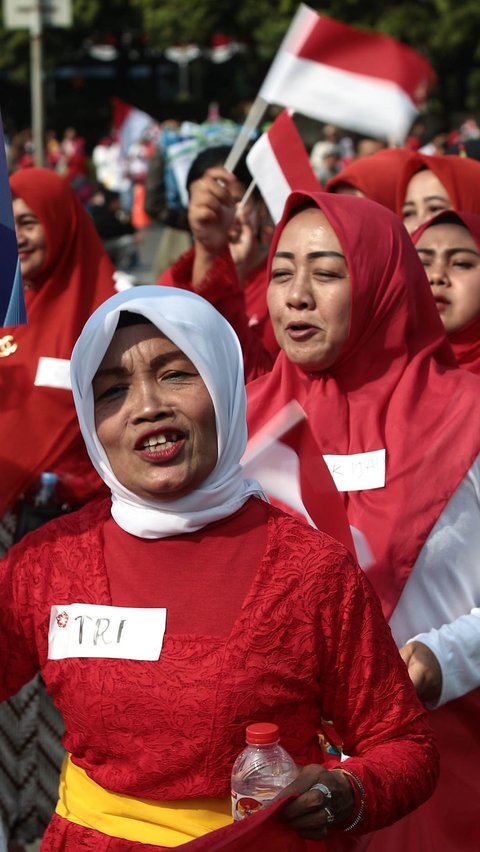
column 164, row 823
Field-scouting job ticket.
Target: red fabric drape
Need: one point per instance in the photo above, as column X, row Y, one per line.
column 261, row 832
column 38, row 425
column 466, row 342
column 394, row 386
column 376, row 176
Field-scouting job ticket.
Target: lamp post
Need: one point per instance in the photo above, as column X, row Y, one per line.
column 33, row 15
column 182, row 55
column 36, row 83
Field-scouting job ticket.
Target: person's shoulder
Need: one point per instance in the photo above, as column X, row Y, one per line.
column 290, row 527
column 307, row 564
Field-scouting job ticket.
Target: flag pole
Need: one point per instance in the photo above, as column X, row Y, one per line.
column 253, row 119
column 295, row 34
column 248, row 192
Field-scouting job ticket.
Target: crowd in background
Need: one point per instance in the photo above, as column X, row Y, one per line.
column 125, row 191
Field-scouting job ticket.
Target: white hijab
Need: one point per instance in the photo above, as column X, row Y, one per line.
column 210, row 343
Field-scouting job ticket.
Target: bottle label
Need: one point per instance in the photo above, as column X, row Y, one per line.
column 243, row 806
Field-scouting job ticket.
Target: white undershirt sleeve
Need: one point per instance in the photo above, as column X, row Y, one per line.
column 457, row 649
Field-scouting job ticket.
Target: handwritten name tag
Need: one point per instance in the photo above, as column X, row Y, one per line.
column 113, row 632
column 53, row 373
column 359, row 471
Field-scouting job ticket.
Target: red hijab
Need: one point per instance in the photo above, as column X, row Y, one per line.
column 376, row 176
column 38, row 424
column 394, row 386
column 459, row 175
column 466, row 342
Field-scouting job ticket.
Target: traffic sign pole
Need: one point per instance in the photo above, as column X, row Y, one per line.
column 34, row 15
column 36, row 83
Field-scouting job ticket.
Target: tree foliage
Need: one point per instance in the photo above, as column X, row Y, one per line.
column 447, row 32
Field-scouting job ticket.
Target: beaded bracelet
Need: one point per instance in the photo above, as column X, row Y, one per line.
column 359, row 792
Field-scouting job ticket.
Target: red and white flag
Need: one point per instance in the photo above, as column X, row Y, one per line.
column 366, row 82
column 279, row 163
column 129, row 123
column 287, row 461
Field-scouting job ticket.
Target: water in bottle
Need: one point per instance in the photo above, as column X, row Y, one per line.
column 261, row 770
column 45, row 494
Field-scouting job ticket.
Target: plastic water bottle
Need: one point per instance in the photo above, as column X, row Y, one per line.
column 260, row 771
column 45, row 494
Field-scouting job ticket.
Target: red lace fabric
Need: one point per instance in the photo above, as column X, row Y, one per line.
column 310, row 642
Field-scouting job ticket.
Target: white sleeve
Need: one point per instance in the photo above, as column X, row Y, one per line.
column 457, row 649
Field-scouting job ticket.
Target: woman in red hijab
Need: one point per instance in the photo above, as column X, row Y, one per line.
column 429, row 184
column 375, row 177
column 449, row 248
column 66, row 275
column 365, row 354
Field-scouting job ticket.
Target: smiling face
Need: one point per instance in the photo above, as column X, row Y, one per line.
column 425, row 196
column 31, row 239
column 153, row 415
column 451, row 260
column 309, row 292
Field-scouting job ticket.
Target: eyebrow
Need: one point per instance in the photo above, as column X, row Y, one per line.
column 312, row 255
column 429, row 198
column 450, row 251
column 160, row 360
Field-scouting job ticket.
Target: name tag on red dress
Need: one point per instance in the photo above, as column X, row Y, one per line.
column 357, row 471
column 53, row 373
column 111, row 632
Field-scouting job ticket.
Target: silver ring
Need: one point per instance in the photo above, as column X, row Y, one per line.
column 327, row 794
column 330, row 817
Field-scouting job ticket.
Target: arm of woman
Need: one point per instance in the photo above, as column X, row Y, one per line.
column 444, row 663
column 367, row 693
column 18, row 659
column 209, row 269
column 439, row 605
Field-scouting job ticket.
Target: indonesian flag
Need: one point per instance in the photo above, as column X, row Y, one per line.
column 129, row 123
column 287, row 461
column 279, row 164
column 332, row 72
column 12, row 305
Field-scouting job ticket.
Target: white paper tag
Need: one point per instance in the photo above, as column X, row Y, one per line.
column 113, row 632
column 359, row 471
column 53, row 373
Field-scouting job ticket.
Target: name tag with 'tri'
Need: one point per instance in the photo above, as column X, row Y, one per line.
column 111, row 632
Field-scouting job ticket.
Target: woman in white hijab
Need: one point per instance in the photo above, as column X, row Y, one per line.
column 167, row 619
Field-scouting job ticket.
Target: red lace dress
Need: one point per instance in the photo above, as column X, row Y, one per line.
column 307, row 641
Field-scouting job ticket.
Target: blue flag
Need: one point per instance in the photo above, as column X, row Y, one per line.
column 12, row 304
